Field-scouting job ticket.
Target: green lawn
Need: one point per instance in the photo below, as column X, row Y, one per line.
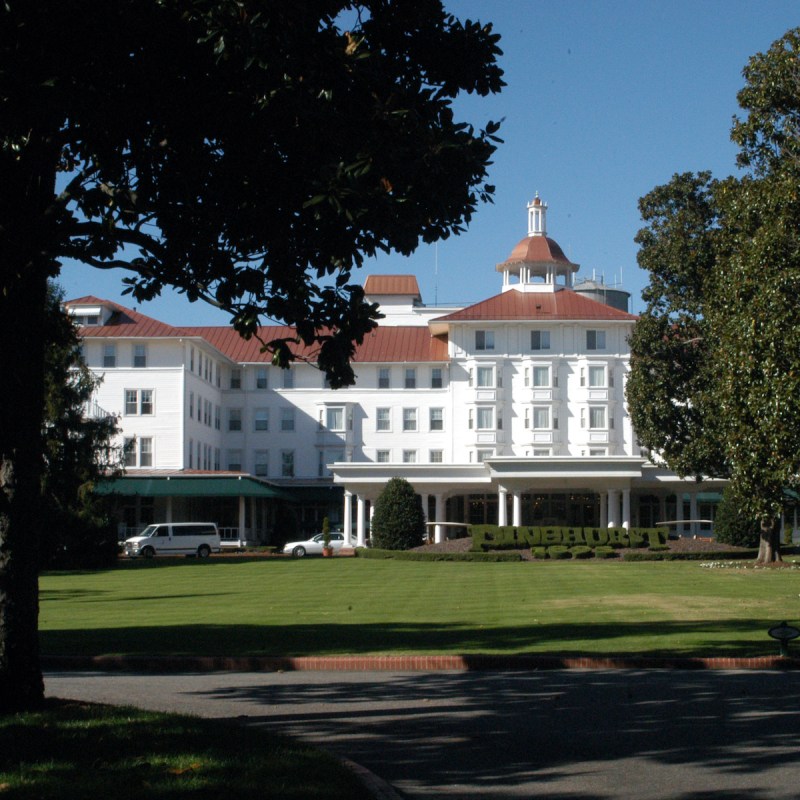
column 337, row 606
column 74, row 751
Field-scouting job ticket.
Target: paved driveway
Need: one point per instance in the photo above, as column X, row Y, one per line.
column 582, row 735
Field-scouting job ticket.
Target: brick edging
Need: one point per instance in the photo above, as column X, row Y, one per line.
column 406, row 663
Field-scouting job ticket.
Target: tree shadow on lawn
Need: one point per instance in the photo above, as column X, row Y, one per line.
column 675, row 638
column 589, row 735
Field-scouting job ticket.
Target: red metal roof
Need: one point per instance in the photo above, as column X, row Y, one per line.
column 402, row 343
column 515, row 305
column 392, row 284
column 536, row 249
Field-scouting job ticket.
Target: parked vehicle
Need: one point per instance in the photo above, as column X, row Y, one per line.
column 313, row 546
column 199, row 539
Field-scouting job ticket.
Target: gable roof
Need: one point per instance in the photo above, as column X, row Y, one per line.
column 515, row 305
column 376, row 285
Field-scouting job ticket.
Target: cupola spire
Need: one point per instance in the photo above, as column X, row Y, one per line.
column 537, row 217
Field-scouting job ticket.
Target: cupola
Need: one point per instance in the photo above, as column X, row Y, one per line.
column 537, row 263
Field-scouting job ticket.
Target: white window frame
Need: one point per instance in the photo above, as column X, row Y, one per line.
column 409, row 456
column 384, row 378
column 331, row 423
column 234, row 419
column 437, row 378
column 436, row 419
column 540, row 339
column 410, row 379
column 261, row 378
column 287, row 464
column 410, row 420
column 540, row 418
column 109, row 356
column 383, row 456
column 595, row 339
column 140, row 356
column 538, row 371
column 593, row 420
column 383, row 421
column 484, row 340
column 485, row 417
column 480, row 377
column 287, row 419
column 436, row 456
column 595, row 371
column 261, row 420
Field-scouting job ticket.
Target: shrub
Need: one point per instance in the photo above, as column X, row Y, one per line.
column 581, row 551
column 398, row 522
column 558, row 551
column 539, row 552
column 732, row 525
column 415, row 555
column 604, row 551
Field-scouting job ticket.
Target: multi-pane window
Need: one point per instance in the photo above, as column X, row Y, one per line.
column 384, row 378
column 287, row 419
column 436, row 419
column 484, row 340
column 261, row 377
column 540, row 340
column 145, row 452
column 485, row 377
column 597, row 417
column 261, row 419
column 411, row 378
column 597, row 376
column 235, row 460
column 383, row 420
column 409, row 419
column 436, row 456
column 436, row 378
column 109, row 355
column 217, row 458
column 541, row 376
column 217, row 417
column 409, row 456
column 139, row 356
column 234, row 419
column 541, row 417
column 287, row 463
column 129, row 452
column 482, row 455
column 236, row 379
column 138, row 401
column 595, row 340
column 484, row 416
column 261, row 462
column 335, row 419
column 541, row 452
column 382, row 456
column 288, row 378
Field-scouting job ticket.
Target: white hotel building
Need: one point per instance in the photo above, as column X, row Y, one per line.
column 509, row 411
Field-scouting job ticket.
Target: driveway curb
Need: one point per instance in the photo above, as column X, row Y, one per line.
column 405, row 663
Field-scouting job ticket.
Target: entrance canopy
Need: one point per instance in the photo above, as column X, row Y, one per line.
column 194, row 486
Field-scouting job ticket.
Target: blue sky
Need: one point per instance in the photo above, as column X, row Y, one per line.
column 605, row 100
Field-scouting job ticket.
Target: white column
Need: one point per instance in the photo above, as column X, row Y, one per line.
column 694, row 527
column 242, row 520
column 360, row 520
column 613, row 508
column 679, row 512
column 348, row 518
column 502, row 516
column 424, row 500
column 438, row 533
column 603, row 510
column 626, row 508
column 516, row 509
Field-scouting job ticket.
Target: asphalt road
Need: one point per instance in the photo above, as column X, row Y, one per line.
column 582, row 735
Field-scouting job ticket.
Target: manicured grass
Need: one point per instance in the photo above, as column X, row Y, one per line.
column 73, row 751
column 338, row 606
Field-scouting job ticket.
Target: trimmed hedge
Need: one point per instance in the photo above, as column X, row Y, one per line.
column 509, row 537
column 416, row 555
column 724, row 555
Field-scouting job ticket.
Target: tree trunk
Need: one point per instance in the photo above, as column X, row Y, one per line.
column 769, row 546
column 26, row 195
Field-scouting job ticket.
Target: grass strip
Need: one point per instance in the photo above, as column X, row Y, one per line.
column 74, row 751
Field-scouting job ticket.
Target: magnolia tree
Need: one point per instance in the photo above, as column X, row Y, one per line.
column 715, row 358
column 248, row 153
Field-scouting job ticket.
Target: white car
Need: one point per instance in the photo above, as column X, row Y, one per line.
column 313, row 547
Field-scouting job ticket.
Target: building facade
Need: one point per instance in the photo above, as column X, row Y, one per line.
column 511, row 410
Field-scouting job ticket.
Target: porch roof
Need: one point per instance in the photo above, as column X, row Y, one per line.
column 195, row 486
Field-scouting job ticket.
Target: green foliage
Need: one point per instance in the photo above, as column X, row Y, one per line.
column 558, row 551
column 732, row 525
column 605, row 552
column 416, row 555
column 78, row 532
column 399, row 521
column 508, row 537
column 581, row 551
column 715, row 371
column 326, row 532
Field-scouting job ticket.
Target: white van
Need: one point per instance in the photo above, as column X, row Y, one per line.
column 175, row 539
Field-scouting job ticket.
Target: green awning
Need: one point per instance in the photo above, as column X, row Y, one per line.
column 192, row 487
